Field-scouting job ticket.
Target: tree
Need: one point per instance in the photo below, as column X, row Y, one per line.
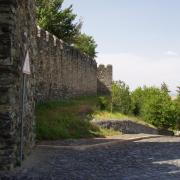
column 155, row 106
column 177, row 106
column 178, row 91
column 63, row 24
column 121, row 99
column 59, row 22
column 86, row 44
column 158, row 108
column 164, row 87
column 137, row 97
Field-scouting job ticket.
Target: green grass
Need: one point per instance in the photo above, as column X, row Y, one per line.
column 109, row 132
column 106, row 115
column 69, row 119
column 72, row 119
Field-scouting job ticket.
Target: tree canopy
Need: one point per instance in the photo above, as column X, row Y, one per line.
column 178, row 91
column 86, row 44
column 121, row 99
column 164, row 87
column 63, row 23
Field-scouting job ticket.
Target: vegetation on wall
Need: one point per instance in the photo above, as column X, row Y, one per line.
column 63, row 23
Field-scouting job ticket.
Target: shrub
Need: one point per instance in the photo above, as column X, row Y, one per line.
column 68, row 119
column 158, row 108
column 104, row 102
column 177, row 107
column 137, row 98
column 121, row 99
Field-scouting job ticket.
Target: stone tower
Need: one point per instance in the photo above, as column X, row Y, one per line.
column 104, row 78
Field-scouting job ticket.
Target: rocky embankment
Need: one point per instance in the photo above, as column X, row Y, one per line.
column 126, row 126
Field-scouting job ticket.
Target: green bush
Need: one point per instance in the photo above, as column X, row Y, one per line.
column 137, row 98
column 158, row 108
column 121, row 98
column 104, row 102
column 177, row 107
column 155, row 106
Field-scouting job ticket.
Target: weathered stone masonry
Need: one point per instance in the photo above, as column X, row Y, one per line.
column 17, row 33
column 62, row 71
column 104, row 78
column 57, row 71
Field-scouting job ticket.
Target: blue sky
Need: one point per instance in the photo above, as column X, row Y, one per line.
column 141, row 38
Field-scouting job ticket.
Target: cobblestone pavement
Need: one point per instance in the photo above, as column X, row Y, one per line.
column 148, row 159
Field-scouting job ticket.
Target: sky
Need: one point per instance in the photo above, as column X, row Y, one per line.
column 140, row 38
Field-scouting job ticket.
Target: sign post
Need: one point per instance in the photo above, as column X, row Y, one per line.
column 26, row 71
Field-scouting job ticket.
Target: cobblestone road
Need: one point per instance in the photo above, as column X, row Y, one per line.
column 148, row 159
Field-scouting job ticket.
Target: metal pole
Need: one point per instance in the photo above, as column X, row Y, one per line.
column 22, row 118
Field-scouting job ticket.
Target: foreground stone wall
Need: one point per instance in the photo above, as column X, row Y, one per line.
column 62, row 71
column 105, row 77
column 17, row 35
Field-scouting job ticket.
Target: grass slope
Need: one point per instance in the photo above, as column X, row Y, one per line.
column 69, row 119
column 106, row 115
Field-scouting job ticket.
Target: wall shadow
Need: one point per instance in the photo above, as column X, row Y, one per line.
column 102, row 89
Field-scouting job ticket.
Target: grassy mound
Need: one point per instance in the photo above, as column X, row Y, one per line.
column 69, row 119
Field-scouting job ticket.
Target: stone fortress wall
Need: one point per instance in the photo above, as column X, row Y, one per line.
column 57, row 71
column 62, row 71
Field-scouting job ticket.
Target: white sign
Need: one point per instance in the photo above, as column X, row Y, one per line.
column 26, row 67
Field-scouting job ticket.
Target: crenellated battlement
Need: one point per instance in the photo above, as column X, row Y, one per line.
column 105, row 67
column 45, row 36
column 62, row 66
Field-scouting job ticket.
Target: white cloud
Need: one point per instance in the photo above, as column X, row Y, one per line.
column 138, row 71
column 171, row 53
